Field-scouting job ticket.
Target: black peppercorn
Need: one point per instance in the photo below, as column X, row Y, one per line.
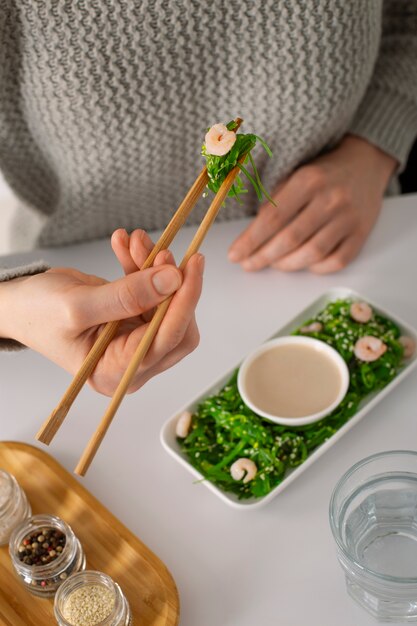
column 41, row 549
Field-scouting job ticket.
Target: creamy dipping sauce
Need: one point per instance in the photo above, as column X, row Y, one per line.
column 293, row 381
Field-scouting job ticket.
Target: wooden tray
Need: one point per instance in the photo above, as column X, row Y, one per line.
column 109, row 546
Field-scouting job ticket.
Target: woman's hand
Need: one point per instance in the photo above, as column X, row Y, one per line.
column 324, row 214
column 61, row 312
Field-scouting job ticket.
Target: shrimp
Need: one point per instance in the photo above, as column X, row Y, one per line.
column 314, row 327
column 369, row 348
column 243, row 468
column 183, row 425
column 409, row 346
column 219, row 140
column 361, row 312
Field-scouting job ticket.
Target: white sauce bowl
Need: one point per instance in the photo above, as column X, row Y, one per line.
column 319, row 346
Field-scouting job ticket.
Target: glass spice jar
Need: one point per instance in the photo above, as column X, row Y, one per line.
column 91, row 599
column 14, row 505
column 44, row 552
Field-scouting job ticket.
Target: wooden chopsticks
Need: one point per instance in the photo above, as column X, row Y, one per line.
column 52, row 424
column 54, row 421
column 151, row 331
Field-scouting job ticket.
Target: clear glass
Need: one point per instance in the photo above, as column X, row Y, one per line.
column 120, row 615
column 44, row 580
column 373, row 517
column 14, row 505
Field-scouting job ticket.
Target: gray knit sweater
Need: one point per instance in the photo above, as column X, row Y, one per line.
column 104, row 103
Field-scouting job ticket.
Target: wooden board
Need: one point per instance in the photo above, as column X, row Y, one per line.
column 109, row 546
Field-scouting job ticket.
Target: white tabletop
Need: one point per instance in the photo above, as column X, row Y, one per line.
column 270, row 566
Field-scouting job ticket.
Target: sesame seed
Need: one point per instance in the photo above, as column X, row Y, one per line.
column 89, row 605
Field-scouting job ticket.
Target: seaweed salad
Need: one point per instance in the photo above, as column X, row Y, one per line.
column 223, row 431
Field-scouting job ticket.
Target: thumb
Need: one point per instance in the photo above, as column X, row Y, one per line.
column 129, row 296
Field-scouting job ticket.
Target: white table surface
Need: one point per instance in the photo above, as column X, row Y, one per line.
column 270, row 566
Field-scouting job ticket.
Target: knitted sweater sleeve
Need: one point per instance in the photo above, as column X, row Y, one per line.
column 8, row 274
column 387, row 115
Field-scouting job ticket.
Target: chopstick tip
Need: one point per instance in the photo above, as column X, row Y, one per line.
column 239, row 122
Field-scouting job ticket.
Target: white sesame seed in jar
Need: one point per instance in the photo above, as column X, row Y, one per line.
column 91, row 598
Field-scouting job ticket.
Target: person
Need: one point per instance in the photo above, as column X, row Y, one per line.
column 103, row 107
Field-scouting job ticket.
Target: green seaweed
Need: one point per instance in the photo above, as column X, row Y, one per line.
column 218, row 167
column 224, row 428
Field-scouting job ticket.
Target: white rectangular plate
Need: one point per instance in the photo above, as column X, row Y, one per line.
column 168, row 437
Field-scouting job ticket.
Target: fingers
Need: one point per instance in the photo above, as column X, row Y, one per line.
column 317, row 248
column 165, row 257
column 340, row 257
column 140, row 246
column 131, row 251
column 290, row 198
column 181, row 311
column 318, row 225
column 290, row 238
column 178, row 334
column 124, row 298
column 120, row 245
column 187, row 345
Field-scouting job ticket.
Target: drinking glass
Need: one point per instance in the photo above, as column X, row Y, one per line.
column 373, row 517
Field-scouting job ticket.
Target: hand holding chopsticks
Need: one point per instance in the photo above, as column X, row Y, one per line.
column 54, row 421
column 52, row 424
